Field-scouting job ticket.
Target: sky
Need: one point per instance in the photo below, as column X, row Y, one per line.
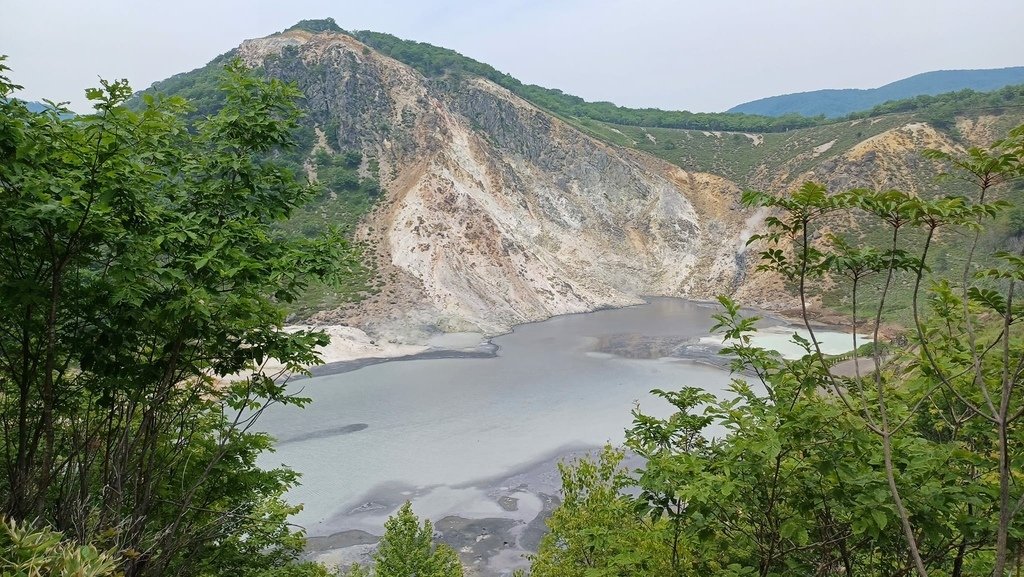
column 697, row 55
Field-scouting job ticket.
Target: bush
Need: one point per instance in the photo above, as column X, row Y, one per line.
column 407, row 548
column 42, row 553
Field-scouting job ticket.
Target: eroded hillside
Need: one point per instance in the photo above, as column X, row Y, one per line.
column 495, row 211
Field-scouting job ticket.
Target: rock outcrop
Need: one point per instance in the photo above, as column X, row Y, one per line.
column 497, row 212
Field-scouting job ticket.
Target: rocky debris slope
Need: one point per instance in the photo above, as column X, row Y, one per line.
column 496, row 212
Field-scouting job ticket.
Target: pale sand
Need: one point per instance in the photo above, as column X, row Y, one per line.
column 350, row 343
column 351, row 348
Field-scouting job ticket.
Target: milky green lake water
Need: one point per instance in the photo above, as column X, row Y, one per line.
column 439, row 430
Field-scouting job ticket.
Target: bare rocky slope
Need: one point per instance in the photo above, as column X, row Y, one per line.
column 498, row 213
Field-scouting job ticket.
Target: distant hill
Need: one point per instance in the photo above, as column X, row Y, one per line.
column 838, row 103
column 36, row 106
column 32, row 106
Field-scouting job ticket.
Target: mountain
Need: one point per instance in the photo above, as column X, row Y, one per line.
column 481, row 209
column 36, row 106
column 495, row 212
column 837, row 103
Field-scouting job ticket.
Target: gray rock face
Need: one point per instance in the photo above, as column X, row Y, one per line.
column 497, row 213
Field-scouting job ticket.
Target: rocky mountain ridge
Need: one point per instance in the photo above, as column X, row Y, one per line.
column 497, row 212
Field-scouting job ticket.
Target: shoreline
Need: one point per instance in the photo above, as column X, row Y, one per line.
column 352, row 348
column 494, row 522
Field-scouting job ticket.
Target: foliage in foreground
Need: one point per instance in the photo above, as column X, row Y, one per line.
column 139, row 270
column 911, row 465
column 407, row 548
column 347, row 183
column 24, row 551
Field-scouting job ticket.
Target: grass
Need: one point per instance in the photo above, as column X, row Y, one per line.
column 947, row 258
column 740, row 156
column 345, row 198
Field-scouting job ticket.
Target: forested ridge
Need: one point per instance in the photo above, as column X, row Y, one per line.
column 449, row 66
column 837, row 103
column 437, row 62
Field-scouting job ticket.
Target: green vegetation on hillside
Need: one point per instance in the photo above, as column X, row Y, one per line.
column 941, row 110
column 142, row 284
column 343, row 198
column 741, row 156
column 317, row 25
column 909, row 464
column 199, row 87
column 739, row 147
column 345, row 194
column 843, row 102
column 436, row 62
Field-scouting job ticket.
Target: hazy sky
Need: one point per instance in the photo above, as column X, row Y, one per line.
column 699, row 55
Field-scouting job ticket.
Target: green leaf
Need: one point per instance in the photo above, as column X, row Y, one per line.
column 880, row 518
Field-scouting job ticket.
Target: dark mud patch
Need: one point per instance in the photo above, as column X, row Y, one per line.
column 324, row 433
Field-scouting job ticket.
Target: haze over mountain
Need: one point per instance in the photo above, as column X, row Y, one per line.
column 835, row 103
column 632, row 54
column 36, row 106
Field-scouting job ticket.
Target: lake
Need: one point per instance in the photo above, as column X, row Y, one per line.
column 458, row 435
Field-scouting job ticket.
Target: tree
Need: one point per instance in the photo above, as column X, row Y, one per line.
column 407, row 549
column 965, row 366
column 595, row 530
column 139, row 270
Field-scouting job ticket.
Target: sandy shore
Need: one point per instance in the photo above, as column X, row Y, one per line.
column 350, row 343
column 351, row 348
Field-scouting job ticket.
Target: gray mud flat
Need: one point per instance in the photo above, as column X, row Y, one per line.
column 340, row 540
column 486, row 545
column 484, row 351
